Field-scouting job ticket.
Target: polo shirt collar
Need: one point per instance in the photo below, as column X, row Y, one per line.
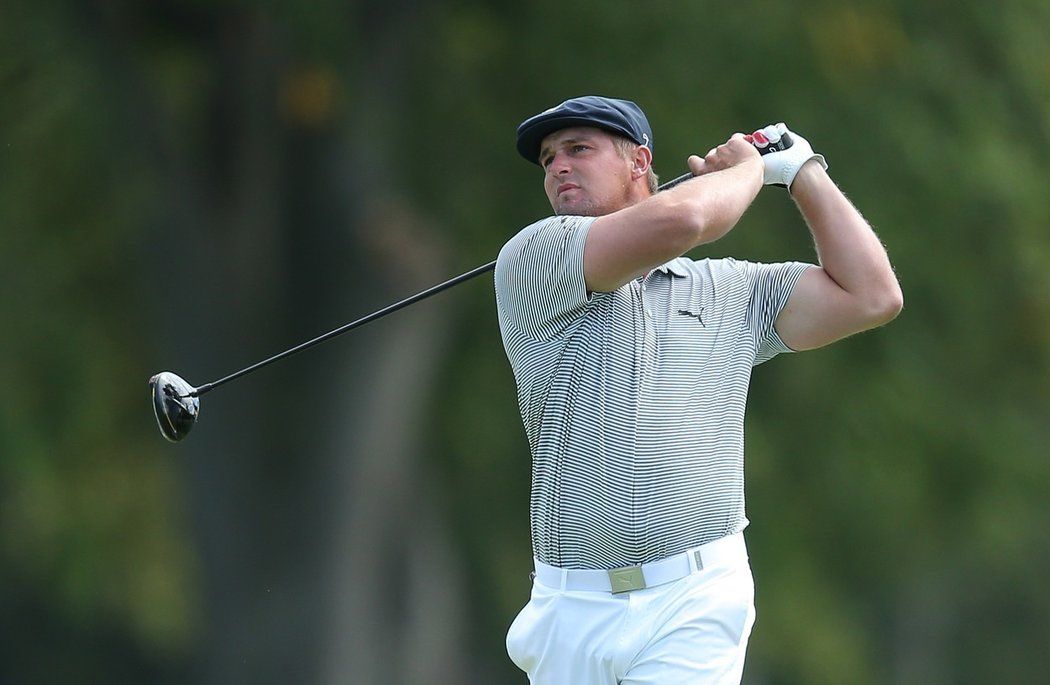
column 673, row 267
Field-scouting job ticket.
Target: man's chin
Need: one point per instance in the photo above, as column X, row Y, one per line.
column 576, row 209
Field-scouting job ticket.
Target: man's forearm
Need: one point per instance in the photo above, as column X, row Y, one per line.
column 717, row 200
column 641, row 236
column 847, row 247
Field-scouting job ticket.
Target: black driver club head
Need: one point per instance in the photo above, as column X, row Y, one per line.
column 176, row 411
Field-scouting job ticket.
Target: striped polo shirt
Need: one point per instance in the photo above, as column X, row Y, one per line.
column 633, row 400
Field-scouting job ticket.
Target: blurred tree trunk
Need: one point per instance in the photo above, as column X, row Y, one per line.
column 324, row 557
column 396, row 601
column 395, row 591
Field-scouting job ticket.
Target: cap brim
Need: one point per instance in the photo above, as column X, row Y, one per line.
column 531, row 137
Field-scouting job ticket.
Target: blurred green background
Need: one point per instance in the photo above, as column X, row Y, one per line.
column 195, row 186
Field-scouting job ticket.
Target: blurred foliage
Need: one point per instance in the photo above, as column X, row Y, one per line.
column 94, row 562
column 897, row 482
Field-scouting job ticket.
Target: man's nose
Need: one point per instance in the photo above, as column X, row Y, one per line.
column 559, row 164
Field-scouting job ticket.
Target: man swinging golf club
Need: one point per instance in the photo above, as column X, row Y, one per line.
column 632, row 365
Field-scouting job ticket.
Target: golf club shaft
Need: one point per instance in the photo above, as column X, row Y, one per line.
column 207, row 387
column 197, row 392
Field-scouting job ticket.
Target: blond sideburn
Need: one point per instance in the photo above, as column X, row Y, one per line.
column 626, row 147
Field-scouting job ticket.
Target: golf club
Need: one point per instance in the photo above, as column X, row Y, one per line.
column 176, row 403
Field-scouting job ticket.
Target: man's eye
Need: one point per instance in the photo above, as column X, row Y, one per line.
column 579, row 148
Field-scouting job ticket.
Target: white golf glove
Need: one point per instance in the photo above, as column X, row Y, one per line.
column 783, row 153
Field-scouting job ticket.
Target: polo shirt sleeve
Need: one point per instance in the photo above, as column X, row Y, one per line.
column 769, row 287
column 540, row 286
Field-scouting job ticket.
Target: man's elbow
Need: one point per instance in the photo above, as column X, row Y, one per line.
column 885, row 305
column 697, row 224
column 679, row 226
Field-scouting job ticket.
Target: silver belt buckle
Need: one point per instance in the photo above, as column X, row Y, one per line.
column 626, row 579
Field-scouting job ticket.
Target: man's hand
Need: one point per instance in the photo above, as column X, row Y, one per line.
column 780, row 167
column 735, row 151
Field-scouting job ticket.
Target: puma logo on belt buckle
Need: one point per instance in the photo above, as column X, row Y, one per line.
column 626, row 579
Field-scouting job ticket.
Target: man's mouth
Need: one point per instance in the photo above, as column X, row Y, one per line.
column 567, row 186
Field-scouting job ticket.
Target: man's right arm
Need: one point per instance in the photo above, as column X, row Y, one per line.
column 632, row 241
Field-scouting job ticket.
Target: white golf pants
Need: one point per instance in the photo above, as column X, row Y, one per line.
column 692, row 630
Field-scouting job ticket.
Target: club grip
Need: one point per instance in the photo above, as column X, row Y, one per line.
column 784, row 143
column 769, row 147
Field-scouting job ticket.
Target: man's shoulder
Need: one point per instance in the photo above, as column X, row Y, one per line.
column 524, row 234
column 548, row 228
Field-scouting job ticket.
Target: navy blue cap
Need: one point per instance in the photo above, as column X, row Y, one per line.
column 621, row 117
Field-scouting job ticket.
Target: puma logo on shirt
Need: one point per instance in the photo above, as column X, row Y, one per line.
column 695, row 316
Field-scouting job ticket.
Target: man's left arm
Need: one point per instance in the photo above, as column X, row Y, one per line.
column 854, row 288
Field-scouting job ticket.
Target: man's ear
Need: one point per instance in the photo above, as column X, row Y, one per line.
column 643, row 159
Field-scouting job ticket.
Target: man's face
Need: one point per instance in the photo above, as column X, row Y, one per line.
column 584, row 172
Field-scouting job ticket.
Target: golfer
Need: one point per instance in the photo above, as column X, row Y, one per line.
column 632, row 365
